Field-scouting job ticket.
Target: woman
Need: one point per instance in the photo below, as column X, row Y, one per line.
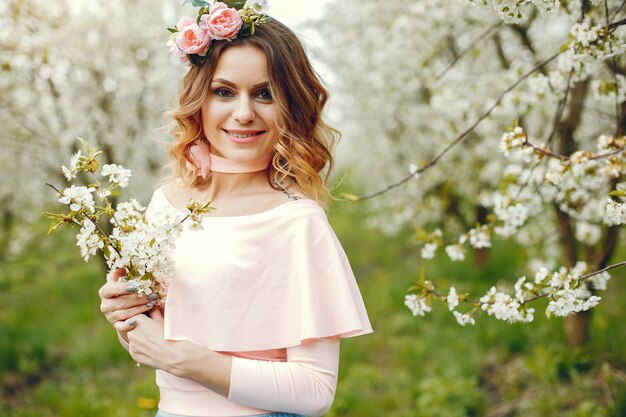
column 262, row 294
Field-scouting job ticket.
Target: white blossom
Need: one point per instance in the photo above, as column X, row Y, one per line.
column 615, row 213
column 128, row 214
column 568, row 301
column 512, row 216
column 417, row 305
column 583, row 33
column 103, row 193
column 588, row 233
column 78, row 198
column 452, row 299
column 463, row 319
column 261, row 6
column 604, row 142
column 428, row 251
column 511, row 140
column 149, row 246
column 479, row 237
column 117, row 174
column 70, row 173
column 88, row 240
column 503, row 307
column 455, row 252
column 522, row 290
column 541, row 275
column 599, row 281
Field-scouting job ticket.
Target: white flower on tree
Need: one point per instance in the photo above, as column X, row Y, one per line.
column 463, row 319
column 117, row 174
column 428, row 251
column 452, row 299
column 417, row 305
column 88, row 241
column 52, row 90
column 615, row 213
column 455, row 252
column 78, row 198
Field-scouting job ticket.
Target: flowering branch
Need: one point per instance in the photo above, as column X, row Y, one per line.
column 565, row 288
column 467, row 50
column 460, row 137
column 141, row 245
column 590, row 157
column 591, row 38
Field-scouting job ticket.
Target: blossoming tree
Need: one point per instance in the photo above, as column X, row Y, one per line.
column 99, row 70
column 510, row 117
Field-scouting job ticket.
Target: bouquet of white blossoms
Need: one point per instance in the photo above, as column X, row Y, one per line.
column 142, row 246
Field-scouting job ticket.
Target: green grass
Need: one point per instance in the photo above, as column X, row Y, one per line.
column 59, row 357
column 433, row 367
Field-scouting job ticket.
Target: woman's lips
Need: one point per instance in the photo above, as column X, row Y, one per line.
column 244, row 136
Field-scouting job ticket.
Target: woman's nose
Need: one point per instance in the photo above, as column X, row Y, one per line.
column 244, row 111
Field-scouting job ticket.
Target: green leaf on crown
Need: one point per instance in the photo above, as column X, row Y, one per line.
column 237, row 4
column 246, row 30
column 198, row 3
column 197, row 59
column 173, row 30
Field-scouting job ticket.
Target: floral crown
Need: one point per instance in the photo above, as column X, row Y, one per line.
column 192, row 39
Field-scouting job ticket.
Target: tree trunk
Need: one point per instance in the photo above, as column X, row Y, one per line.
column 481, row 255
column 575, row 327
column 6, row 229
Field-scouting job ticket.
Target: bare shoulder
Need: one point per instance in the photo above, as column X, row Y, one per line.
column 178, row 194
column 290, row 190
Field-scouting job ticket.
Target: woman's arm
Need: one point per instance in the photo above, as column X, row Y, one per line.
column 304, row 384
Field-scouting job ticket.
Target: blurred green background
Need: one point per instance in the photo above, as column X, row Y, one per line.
column 77, row 71
column 59, row 357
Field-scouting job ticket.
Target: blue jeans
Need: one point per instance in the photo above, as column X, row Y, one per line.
column 164, row 414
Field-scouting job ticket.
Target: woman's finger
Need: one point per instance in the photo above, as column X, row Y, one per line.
column 122, row 315
column 156, row 314
column 116, row 289
column 116, row 274
column 125, row 325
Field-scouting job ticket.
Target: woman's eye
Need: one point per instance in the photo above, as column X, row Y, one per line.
column 264, row 95
column 222, row 92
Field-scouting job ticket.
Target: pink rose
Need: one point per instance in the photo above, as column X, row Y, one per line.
column 222, row 22
column 193, row 40
column 184, row 22
column 177, row 54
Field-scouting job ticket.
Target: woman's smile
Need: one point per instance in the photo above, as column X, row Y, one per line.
column 244, row 136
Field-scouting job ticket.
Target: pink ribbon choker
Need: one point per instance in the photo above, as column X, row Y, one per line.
column 207, row 162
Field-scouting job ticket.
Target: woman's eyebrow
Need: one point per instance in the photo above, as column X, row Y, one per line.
column 231, row 84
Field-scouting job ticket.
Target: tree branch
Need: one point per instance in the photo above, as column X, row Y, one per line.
column 464, row 134
column 467, row 50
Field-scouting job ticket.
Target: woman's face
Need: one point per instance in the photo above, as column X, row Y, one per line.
column 239, row 113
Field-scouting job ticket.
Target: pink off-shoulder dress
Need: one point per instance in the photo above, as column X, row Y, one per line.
column 276, row 291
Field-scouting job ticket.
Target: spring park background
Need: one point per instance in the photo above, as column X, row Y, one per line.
column 423, row 92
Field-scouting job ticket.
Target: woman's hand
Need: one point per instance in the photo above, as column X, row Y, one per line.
column 147, row 343
column 185, row 359
column 118, row 303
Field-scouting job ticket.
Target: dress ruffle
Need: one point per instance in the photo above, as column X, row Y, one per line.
column 262, row 281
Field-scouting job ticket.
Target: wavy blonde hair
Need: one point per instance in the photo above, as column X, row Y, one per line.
column 303, row 149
